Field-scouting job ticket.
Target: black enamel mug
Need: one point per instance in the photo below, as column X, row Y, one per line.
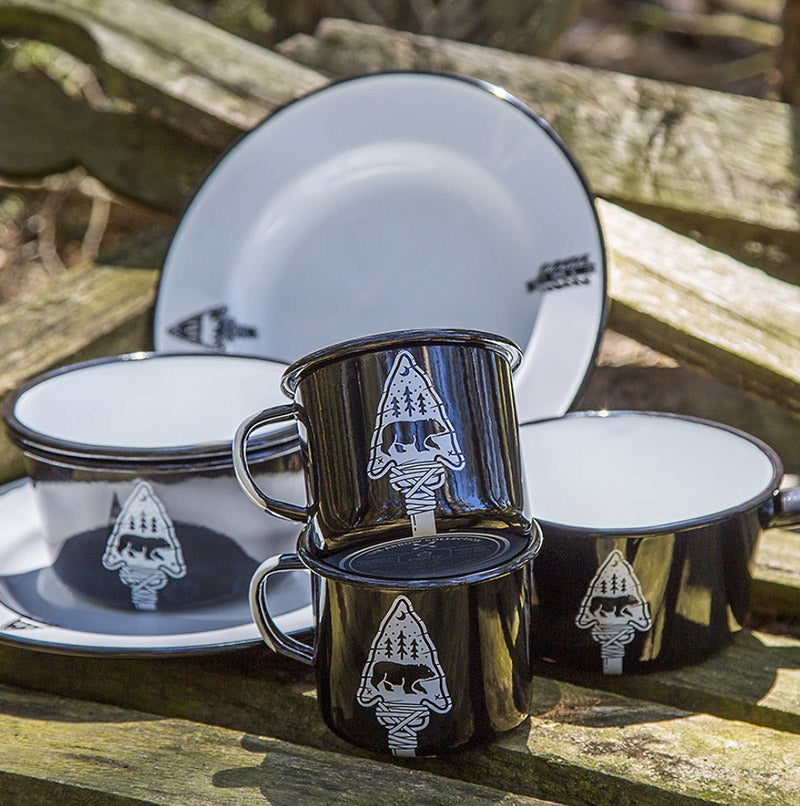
column 404, row 433
column 421, row 645
column 650, row 522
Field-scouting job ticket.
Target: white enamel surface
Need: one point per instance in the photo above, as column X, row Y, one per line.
column 637, row 471
column 394, row 202
column 168, row 401
column 23, row 551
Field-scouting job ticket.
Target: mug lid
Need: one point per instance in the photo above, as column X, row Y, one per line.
column 448, row 558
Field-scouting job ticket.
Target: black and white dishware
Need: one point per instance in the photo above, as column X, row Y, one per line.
column 402, row 433
column 40, row 612
column 421, row 645
column 650, row 522
column 133, row 477
column 393, row 202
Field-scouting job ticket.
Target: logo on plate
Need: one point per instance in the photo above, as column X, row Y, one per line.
column 143, row 547
column 403, row 678
column 613, row 608
column 20, row 624
column 213, row 329
column 563, row 273
column 413, row 441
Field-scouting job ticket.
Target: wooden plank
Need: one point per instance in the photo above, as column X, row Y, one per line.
column 581, row 745
column 85, row 753
column 662, row 147
column 776, row 574
column 755, row 680
column 87, row 312
column 703, row 307
column 201, row 80
column 43, row 131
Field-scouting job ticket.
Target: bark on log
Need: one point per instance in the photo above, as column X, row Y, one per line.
column 203, row 81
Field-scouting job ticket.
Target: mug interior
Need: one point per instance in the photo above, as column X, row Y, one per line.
column 161, row 401
column 640, row 471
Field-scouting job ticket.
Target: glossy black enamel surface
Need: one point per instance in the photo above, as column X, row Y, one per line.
column 408, row 433
column 661, row 601
column 425, row 665
column 617, row 598
column 158, row 539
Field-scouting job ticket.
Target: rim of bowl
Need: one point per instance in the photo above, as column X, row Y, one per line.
column 398, row 339
column 50, row 447
column 754, row 502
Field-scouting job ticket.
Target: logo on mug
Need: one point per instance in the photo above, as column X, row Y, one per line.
column 403, row 678
column 414, row 441
column 613, row 608
column 143, row 547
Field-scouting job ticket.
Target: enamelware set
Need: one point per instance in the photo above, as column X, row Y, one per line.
column 436, row 518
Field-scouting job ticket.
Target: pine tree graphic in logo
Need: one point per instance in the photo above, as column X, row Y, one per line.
column 613, row 608
column 413, row 441
column 143, row 547
column 402, row 678
column 212, row 329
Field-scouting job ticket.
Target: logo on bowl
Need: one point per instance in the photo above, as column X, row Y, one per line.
column 562, row 273
column 143, row 547
column 212, row 328
column 413, row 441
column 613, row 608
column 403, row 678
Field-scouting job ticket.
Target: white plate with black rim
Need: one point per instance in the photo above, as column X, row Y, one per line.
column 390, row 202
column 38, row 611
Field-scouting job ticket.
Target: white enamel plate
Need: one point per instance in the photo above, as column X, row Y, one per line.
column 391, row 202
column 38, row 611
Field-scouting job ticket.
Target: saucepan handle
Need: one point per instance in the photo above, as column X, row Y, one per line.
column 283, row 509
column 275, row 639
column 785, row 508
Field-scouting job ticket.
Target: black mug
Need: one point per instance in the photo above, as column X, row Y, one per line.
column 403, row 433
column 421, row 645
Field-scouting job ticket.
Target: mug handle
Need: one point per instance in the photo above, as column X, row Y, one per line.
column 276, row 640
column 785, row 508
column 282, row 509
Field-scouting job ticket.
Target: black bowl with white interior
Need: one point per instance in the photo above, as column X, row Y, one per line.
column 650, row 522
column 130, row 459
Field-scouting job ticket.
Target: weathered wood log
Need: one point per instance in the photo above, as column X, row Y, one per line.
column 788, row 61
column 580, row 746
column 776, row 583
column 70, row 752
column 87, row 312
column 527, row 26
column 203, row 81
column 720, row 24
column 709, row 160
column 703, row 307
column 43, row 131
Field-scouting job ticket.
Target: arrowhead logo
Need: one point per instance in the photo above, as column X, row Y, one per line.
column 414, row 441
column 613, row 608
